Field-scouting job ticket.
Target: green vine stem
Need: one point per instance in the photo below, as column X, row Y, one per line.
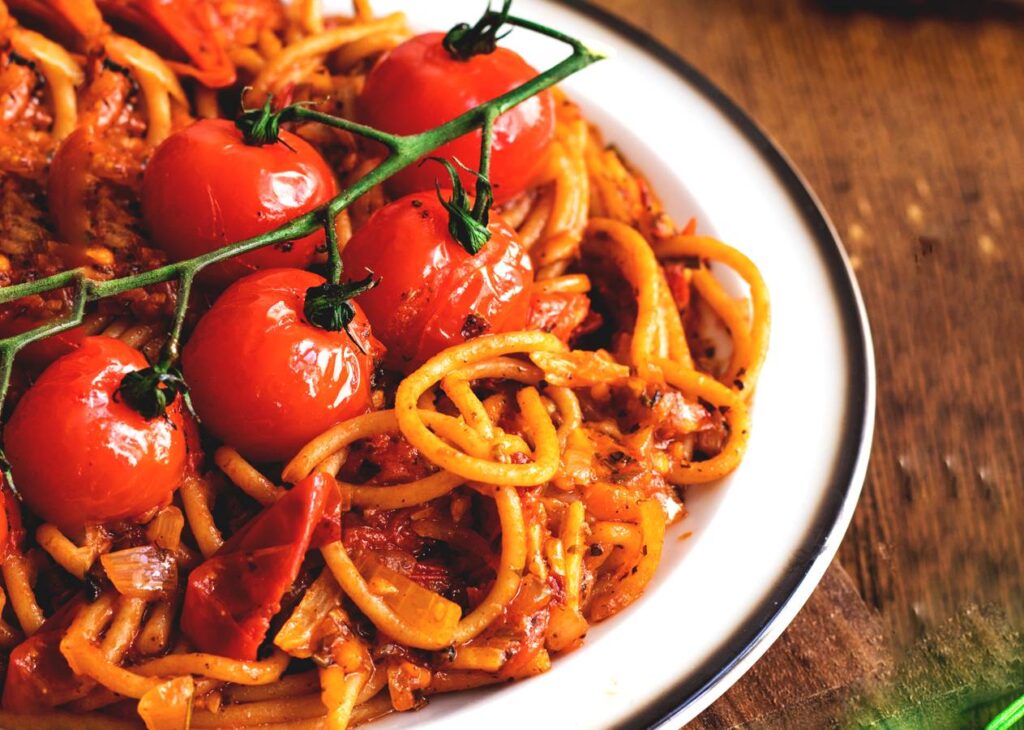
column 335, row 268
column 404, row 150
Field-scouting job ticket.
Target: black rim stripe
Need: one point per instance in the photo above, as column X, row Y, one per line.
column 829, row 524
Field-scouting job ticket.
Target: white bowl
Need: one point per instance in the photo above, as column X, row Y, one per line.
column 762, row 539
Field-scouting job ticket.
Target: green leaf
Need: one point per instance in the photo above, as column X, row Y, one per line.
column 152, row 390
column 262, row 126
column 328, row 305
column 465, row 41
column 468, row 226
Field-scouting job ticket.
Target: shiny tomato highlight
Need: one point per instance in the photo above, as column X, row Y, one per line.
column 432, row 293
column 81, row 456
column 206, row 188
column 266, row 381
column 419, row 85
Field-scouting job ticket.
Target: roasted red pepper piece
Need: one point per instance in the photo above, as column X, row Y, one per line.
column 38, row 676
column 174, row 28
column 232, row 596
column 328, row 529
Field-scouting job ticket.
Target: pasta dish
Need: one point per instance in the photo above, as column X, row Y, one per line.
column 341, row 366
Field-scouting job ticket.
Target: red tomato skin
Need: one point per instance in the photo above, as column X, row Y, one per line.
column 264, row 380
column 418, row 86
column 231, row 597
column 433, row 294
column 80, row 456
column 38, row 675
column 205, row 188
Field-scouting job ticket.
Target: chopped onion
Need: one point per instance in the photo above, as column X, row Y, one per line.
column 142, row 572
column 168, row 706
column 300, row 634
column 417, row 607
column 485, row 658
column 164, row 530
column 403, row 681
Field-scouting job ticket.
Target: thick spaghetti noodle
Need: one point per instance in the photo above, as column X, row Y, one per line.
column 494, row 500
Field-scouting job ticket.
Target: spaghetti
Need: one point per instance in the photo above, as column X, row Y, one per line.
column 493, row 501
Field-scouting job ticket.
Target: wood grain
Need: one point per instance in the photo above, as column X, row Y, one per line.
column 833, row 647
column 908, row 120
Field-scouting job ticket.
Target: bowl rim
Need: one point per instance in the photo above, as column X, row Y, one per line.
column 695, row 691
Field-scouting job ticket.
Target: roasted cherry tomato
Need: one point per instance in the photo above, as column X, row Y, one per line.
column 419, row 85
column 231, row 597
column 432, row 293
column 265, row 380
column 80, row 455
column 206, row 188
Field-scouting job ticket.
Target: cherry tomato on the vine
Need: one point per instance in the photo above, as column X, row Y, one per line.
column 266, row 381
column 420, row 85
column 232, row 596
column 79, row 454
column 206, row 188
column 433, row 293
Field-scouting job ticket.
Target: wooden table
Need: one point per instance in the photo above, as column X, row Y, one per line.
column 908, row 120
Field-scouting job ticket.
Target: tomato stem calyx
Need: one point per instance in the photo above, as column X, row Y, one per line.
column 468, row 226
column 329, row 306
column 262, row 126
column 404, row 151
column 465, row 41
column 152, row 390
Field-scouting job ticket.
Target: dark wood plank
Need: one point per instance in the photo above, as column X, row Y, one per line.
column 832, row 647
column 908, row 120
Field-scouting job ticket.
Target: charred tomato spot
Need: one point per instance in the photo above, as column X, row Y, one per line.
column 474, row 326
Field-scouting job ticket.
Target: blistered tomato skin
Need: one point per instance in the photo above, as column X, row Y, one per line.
column 81, row 456
column 433, row 294
column 264, row 380
column 206, row 188
column 419, row 85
